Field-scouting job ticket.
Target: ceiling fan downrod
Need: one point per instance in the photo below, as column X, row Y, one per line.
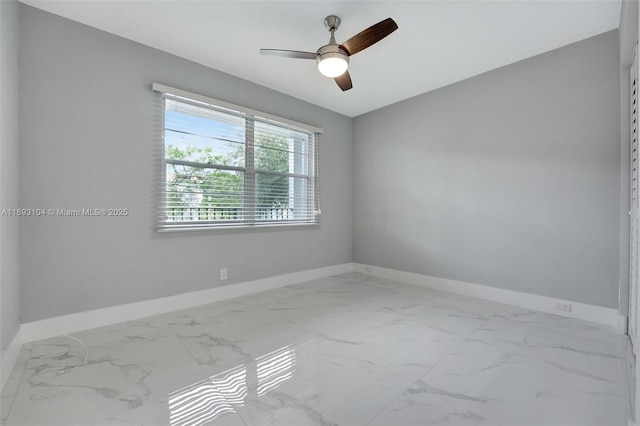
column 332, row 22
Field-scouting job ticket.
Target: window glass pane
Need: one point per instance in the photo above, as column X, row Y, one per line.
column 281, row 197
column 203, row 135
column 279, row 149
column 198, row 194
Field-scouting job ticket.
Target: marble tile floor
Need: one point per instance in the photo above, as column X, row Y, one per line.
column 346, row 350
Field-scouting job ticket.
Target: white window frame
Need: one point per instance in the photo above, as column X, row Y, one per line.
column 634, row 228
column 251, row 116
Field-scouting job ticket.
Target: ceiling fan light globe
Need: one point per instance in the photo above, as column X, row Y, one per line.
column 332, row 67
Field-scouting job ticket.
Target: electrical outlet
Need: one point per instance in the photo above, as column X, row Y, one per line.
column 562, row 306
column 368, row 269
column 223, row 274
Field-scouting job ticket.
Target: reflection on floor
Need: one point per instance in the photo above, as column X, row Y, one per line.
column 345, row 350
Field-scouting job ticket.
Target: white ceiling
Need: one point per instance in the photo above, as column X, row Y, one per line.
column 437, row 43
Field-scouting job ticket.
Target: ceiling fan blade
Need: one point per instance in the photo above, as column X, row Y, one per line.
column 370, row 36
column 289, row 53
column 344, row 81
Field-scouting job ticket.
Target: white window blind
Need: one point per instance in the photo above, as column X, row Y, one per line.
column 224, row 165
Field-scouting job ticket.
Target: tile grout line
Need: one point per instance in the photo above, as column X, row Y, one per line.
column 429, row 371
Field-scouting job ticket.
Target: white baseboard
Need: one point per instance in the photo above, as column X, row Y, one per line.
column 71, row 323
column 9, row 358
column 44, row 329
column 38, row 330
column 583, row 311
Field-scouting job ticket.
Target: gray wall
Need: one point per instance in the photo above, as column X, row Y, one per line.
column 509, row 179
column 87, row 126
column 9, row 269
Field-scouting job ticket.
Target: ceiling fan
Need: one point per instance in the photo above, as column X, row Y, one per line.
column 333, row 58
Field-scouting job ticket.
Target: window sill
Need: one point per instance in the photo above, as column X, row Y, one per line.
column 207, row 228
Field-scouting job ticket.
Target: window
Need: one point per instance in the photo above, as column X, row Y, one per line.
column 224, row 165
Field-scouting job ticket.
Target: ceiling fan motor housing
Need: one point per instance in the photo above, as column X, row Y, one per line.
column 332, row 51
